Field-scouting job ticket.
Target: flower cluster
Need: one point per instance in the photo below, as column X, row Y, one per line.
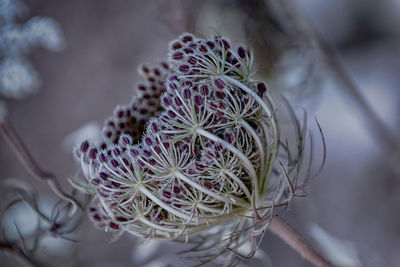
column 17, row 76
column 197, row 147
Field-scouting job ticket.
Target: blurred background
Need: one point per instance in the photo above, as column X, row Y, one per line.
column 339, row 60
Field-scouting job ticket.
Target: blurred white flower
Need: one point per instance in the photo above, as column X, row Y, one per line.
column 12, row 40
column 17, row 78
column 45, row 32
column 9, row 9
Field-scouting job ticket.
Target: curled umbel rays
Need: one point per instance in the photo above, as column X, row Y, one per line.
column 198, row 147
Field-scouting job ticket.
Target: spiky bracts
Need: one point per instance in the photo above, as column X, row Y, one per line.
column 197, row 147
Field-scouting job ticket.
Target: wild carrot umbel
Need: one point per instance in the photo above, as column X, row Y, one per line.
column 198, row 147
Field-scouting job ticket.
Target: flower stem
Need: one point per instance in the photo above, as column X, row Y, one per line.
column 32, row 167
column 298, row 243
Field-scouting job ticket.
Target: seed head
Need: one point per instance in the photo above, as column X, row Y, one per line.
column 198, row 146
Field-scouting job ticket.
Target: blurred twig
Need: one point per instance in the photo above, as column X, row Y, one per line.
column 293, row 239
column 31, row 166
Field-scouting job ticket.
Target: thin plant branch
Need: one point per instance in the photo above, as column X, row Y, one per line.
column 298, row 243
column 32, row 167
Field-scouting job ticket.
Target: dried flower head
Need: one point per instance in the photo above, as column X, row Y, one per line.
column 198, row 147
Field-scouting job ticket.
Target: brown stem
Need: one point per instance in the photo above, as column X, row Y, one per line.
column 31, row 166
column 293, row 239
column 19, row 253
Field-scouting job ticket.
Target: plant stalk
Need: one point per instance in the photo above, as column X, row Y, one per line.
column 31, row 166
column 298, row 243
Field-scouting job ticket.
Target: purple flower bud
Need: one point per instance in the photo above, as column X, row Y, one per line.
column 103, row 175
column 173, row 86
column 171, row 114
column 102, row 157
column 154, row 127
column 192, row 60
column 172, row 78
column 225, row 44
column 223, row 120
column 96, row 217
column 178, row 55
column 185, row 148
column 93, row 153
column 203, row 49
column 246, row 100
column 165, row 65
column 142, row 87
column 262, row 88
column 141, row 164
column 144, row 68
column 108, row 134
column 134, row 152
column 121, row 219
column 178, row 101
column 84, row 146
column 177, row 190
column 187, row 94
column 188, row 50
column 116, row 151
column 199, row 166
column 204, row 90
column 166, row 145
column 188, row 83
column 219, row 83
column 166, row 101
column 187, row 38
column 184, row 68
column 228, row 137
column 120, row 113
column 114, row 163
column 198, row 100
column 167, row 194
column 158, row 218
column 95, row 181
column 147, row 153
column 176, row 46
column 182, row 113
column 208, row 185
column 113, row 226
column 211, row 44
column 125, row 140
column 148, row 141
column 157, row 149
column 220, row 94
column 241, row 52
column 125, row 161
